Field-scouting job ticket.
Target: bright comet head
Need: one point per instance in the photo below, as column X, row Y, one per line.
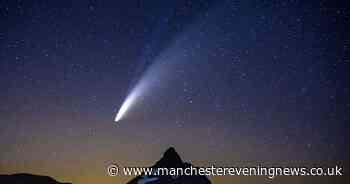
column 124, row 108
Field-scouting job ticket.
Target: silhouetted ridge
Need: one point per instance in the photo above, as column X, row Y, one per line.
column 170, row 159
column 23, row 178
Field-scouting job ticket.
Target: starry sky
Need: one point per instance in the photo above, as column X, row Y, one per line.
column 240, row 83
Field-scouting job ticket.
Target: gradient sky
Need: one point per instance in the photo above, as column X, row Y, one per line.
column 240, row 83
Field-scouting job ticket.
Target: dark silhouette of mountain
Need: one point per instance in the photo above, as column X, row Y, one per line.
column 23, row 178
column 170, row 159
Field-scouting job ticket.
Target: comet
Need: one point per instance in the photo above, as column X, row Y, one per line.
column 125, row 106
column 148, row 81
column 130, row 100
column 159, row 74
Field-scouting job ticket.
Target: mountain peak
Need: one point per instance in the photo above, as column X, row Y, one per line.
column 170, row 149
column 170, row 159
column 171, row 153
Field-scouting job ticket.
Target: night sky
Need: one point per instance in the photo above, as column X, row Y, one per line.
column 236, row 83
